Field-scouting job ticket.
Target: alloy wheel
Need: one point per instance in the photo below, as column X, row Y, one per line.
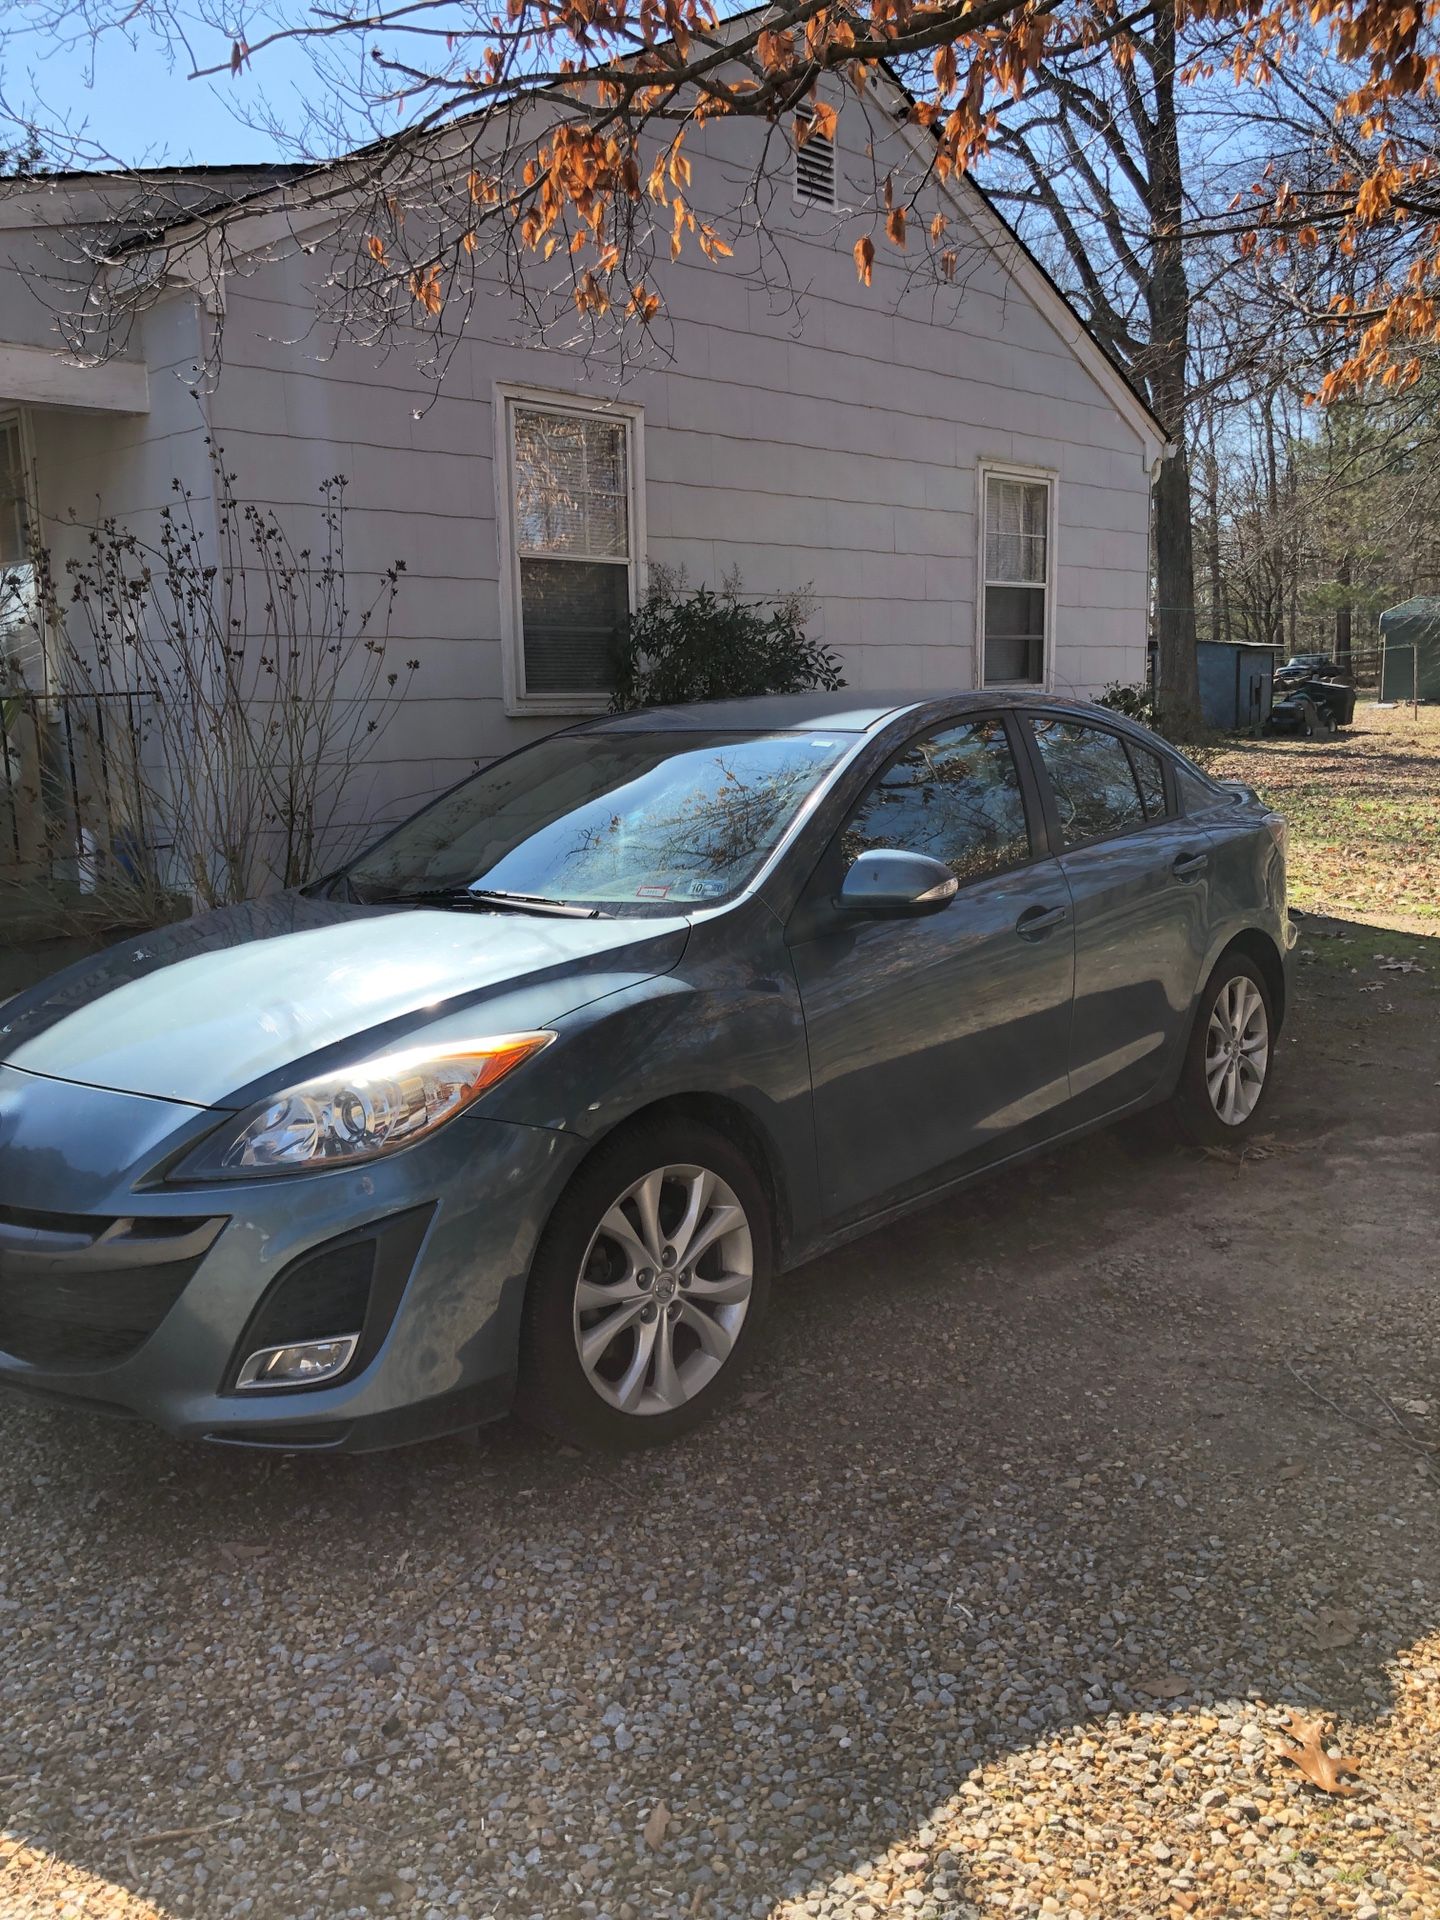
column 1237, row 1050
column 663, row 1290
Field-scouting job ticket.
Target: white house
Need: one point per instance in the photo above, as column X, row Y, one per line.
column 960, row 476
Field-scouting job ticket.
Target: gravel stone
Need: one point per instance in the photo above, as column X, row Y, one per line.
column 877, row 1640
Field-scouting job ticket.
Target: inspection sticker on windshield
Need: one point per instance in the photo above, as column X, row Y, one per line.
column 701, row 887
column 652, row 893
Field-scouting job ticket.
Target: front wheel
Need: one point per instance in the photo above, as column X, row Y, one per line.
column 648, row 1289
column 1226, row 1076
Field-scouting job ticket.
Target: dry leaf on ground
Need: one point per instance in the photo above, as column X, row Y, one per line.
column 1320, row 1768
column 657, row 1825
column 1166, row 1685
column 1335, row 1627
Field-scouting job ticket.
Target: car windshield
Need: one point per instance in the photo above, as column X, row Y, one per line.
column 636, row 823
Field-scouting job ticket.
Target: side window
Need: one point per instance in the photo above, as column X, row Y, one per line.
column 1196, row 794
column 1089, row 769
column 1150, row 772
column 955, row 796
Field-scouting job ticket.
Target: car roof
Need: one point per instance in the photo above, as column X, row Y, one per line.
column 846, row 711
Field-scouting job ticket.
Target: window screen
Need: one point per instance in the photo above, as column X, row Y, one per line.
column 1017, row 576
column 20, row 650
column 573, row 533
column 13, row 512
column 954, row 796
column 1089, row 769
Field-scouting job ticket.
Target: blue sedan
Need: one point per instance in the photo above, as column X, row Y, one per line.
column 526, row 1105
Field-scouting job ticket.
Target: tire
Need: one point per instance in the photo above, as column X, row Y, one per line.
column 1235, row 986
column 680, row 1336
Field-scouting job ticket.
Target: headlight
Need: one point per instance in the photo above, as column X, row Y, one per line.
column 374, row 1108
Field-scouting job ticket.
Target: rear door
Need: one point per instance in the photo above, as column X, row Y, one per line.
column 1139, row 880
column 935, row 1039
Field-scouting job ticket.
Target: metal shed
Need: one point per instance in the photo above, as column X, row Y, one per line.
column 1410, row 649
column 1236, row 682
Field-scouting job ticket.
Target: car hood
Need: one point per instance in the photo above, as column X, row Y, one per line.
column 197, row 1011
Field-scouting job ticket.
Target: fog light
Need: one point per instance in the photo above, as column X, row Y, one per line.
column 304, row 1365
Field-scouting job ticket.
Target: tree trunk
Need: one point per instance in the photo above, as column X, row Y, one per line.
column 1212, row 547
column 1177, row 676
column 1274, row 545
column 1342, row 612
column 1168, row 300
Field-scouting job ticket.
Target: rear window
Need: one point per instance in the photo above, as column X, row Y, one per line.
column 1093, row 782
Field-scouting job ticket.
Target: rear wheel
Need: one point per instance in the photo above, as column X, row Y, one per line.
column 1225, row 1080
column 648, row 1289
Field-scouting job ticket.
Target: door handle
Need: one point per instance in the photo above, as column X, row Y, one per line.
column 1036, row 921
column 1185, row 866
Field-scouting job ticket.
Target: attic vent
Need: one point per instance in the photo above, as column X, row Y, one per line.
column 814, row 163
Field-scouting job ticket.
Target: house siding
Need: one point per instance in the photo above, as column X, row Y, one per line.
column 830, row 441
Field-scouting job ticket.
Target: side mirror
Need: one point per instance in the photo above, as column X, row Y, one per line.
column 886, row 882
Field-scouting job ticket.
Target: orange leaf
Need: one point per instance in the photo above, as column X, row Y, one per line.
column 425, row 288
column 1320, row 1768
column 864, row 259
column 643, row 305
column 895, row 226
column 375, row 247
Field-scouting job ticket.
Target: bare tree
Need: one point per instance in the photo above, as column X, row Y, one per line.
column 1093, row 164
column 551, row 137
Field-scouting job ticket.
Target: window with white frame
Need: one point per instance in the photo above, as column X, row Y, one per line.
column 1016, row 585
column 573, row 478
column 21, row 653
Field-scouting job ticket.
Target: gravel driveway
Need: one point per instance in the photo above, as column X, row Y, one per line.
column 988, row 1599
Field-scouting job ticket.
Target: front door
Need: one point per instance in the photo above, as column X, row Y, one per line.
column 1139, row 879
column 936, row 1040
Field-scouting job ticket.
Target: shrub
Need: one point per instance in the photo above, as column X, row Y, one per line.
column 682, row 646
column 214, row 697
column 1136, row 703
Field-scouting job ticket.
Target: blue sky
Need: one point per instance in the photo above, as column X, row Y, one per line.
column 140, row 108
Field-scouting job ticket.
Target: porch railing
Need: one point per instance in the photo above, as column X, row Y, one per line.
column 72, row 809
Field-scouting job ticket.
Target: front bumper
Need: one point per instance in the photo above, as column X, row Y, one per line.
column 74, row 1159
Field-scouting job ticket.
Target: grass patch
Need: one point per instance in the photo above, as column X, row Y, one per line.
column 1363, row 809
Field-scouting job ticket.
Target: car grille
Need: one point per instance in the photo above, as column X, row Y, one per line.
column 79, row 1292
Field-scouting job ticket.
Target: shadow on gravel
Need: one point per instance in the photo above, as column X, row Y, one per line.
column 1001, row 1466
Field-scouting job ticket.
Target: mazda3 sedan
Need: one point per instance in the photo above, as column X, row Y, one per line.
column 527, row 1105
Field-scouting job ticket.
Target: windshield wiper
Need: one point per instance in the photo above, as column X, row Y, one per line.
column 479, row 897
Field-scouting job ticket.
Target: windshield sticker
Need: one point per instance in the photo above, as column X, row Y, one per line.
column 652, row 893
column 701, row 887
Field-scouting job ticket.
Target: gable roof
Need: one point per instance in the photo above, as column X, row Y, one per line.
column 1023, row 265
